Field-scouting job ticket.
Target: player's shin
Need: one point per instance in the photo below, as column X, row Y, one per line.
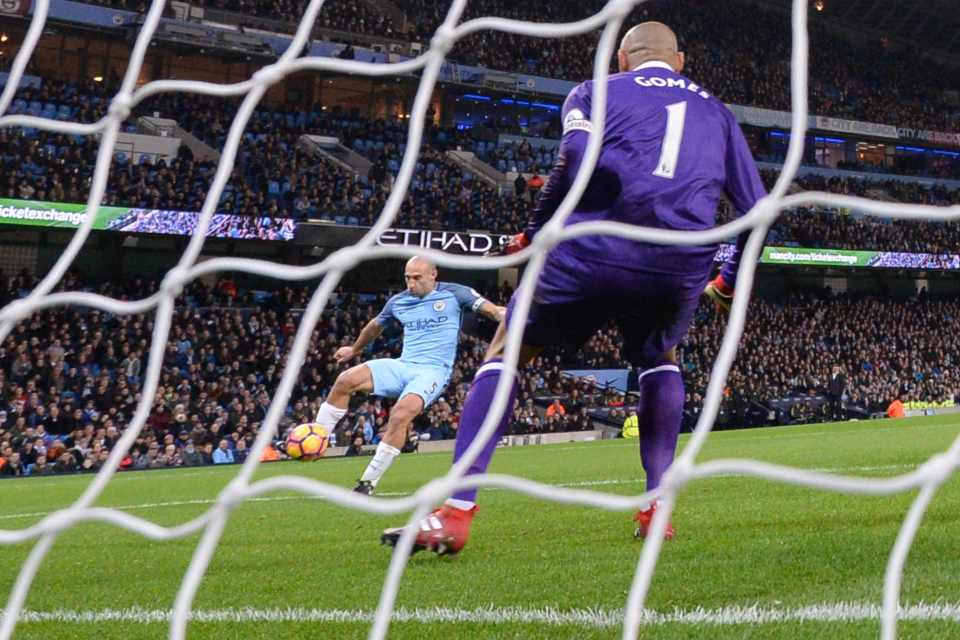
column 660, row 414
column 382, row 459
column 471, row 419
column 328, row 416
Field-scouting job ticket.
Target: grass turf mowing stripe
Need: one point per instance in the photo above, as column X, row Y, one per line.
column 724, row 616
column 585, row 483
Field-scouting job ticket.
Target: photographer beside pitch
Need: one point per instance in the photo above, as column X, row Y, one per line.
column 669, row 149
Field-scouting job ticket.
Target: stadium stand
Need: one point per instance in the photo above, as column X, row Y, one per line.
column 869, row 81
column 276, row 178
column 74, row 376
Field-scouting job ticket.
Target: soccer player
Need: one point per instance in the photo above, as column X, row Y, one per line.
column 430, row 314
column 669, row 150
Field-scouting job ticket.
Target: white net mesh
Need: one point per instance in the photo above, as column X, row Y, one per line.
column 928, row 478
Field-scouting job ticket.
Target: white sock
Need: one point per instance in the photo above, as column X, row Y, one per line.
column 466, row 505
column 382, row 460
column 328, row 416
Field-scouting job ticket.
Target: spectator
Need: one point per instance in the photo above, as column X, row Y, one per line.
column 631, row 426
column 14, row 467
column 355, row 448
column 896, row 410
column 40, row 467
column 556, row 408
column 190, row 456
column 520, row 187
column 223, row 454
column 270, row 454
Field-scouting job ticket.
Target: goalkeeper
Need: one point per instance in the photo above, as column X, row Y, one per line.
column 669, row 149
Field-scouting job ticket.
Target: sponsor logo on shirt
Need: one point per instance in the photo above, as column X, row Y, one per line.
column 421, row 324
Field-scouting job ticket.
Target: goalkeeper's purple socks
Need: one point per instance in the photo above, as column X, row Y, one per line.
column 660, row 415
column 474, row 411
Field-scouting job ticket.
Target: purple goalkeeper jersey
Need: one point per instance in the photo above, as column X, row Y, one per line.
column 669, row 150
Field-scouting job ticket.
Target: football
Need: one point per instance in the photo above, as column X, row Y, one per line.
column 306, row 442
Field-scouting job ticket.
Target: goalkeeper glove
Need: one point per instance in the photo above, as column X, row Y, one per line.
column 517, row 243
column 721, row 294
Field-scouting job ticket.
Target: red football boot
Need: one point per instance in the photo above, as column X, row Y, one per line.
column 444, row 531
column 643, row 520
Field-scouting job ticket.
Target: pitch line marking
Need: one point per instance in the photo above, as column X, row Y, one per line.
column 722, row 616
column 583, row 483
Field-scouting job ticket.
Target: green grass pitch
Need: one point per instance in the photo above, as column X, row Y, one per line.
column 741, row 542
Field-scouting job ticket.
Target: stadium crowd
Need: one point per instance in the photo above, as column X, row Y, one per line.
column 867, row 80
column 71, row 379
column 842, row 229
column 860, row 80
column 275, row 177
column 886, row 348
column 352, row 16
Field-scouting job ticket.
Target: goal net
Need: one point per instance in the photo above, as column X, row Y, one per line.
column 211, row 524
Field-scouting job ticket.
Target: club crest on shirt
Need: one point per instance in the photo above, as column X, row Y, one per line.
column 576, row 121
column 440, row 305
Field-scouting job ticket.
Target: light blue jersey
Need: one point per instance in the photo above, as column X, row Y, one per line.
column 431, row 324
column 431, row 331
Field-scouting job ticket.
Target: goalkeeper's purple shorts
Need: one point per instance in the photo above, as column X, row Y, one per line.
column 574, row 298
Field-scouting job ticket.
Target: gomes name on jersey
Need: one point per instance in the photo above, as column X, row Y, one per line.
column 680, row 83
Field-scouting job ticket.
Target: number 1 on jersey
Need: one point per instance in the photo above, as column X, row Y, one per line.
column 670, row 151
